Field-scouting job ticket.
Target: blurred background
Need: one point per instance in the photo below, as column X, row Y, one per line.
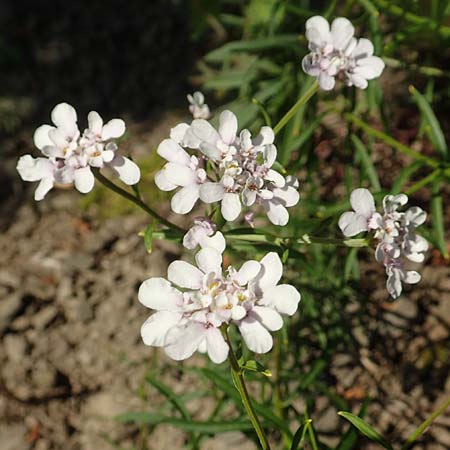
column 71, row 358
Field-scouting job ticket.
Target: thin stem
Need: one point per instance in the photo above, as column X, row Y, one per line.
column 137, row 201
column 423, row 182
column 239, row 381
column 425, row 425
column 300, row 102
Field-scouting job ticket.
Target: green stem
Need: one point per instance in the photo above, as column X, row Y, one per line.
column 300, row 102
column 423, row 182
column 392, row 142
column 239, row 381
column 137, row 201
column 425, row 425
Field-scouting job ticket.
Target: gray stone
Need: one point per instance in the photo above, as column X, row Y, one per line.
column 9, row 306
column 15, row 347
column 14, row 437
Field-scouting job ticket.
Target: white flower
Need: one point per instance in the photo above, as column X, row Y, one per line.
column 189, row 321
column 335, row 52
column 203, row 233
column 363, row 217
column 198, row 108
column 69, row 157
column 395, row 232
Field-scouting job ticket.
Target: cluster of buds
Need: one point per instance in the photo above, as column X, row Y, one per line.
column 189, row 315
column 232, row 169
column 395, row 232
column 68, row 155
column 336, row 53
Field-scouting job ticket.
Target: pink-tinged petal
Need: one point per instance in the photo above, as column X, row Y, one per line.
column 41, row 137
column 178, row 132
column 34, row 169
column 44, row 186
column 256, row 337
column 284, row 298
column 266, row 136
column 352, row 224
column 369, row 68
column 342, row 32
column 184, row 200
column 172, row 152
column 209, row 260
column 59, row 137
column 248, row 271
column 95, row 123
column 182, row 342
column 126, row 170
column 114, row 129
column 217, row 241
column 83, row 179
column 185, row 275
column 157, row 293
column 363, row 49
column 231, row 206
column 276, row 212
column 64, row 116
column 155, row 328
column 162, row 182
column 271, row 271
column 200, row 131
column 270, row 318
column 216, row 346
column 362, row 202
column 318, row 30
column 179, row 174
column 228, row 127
column 326, row 81
column 211, row 192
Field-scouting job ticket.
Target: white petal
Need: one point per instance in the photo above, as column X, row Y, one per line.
column 200, row 131
column 95, row 122
column 43, row 188
column 185, row 275
column 256, row 337
column 34, row 169
column 178, row 132
column 284, row 298
column 369, row 68
column 352, row 223
column 155, row 328
column 84, row 179
column 276, row 178
column 217, row 241
column 289, row 196
column 210, row 151
column 266, row 136
column 268, row 317
column 270, row 154
column 41, row 137
column 271, row 271
column 326, row 81
column 318, row 30
column 216, row 346
column 179, row 174
column 276, row 212
column 412, row 277
column 172, row 152
column 394, row 283
column 231, row 206
column 184, row 200
column 157, row 293
column 363, row 49
column 228, row 127
column 64, row 116
column 415, row 215
column 342, row 32
column 211, row 192
column 247, row 272
column 162, row 182
column 115, row 128
column 362, row 202
column 209, row 260
column 182, row 342
column 127, row 170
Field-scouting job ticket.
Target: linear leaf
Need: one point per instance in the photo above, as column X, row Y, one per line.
column 438, row 219
column 366, row 162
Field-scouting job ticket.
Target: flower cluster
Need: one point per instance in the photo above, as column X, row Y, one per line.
column 69, row 155
column 235, row 170
column 395, row 232
column 189, row 315
column 336, row 53
column 198, row 108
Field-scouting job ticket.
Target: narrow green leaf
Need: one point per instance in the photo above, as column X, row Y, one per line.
column 366, row 162
column 299, row 435
column 365, row 429
column 437, row 215
column 403, row 177
column 148, row 236
column 350, row 437
column 434, row 129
